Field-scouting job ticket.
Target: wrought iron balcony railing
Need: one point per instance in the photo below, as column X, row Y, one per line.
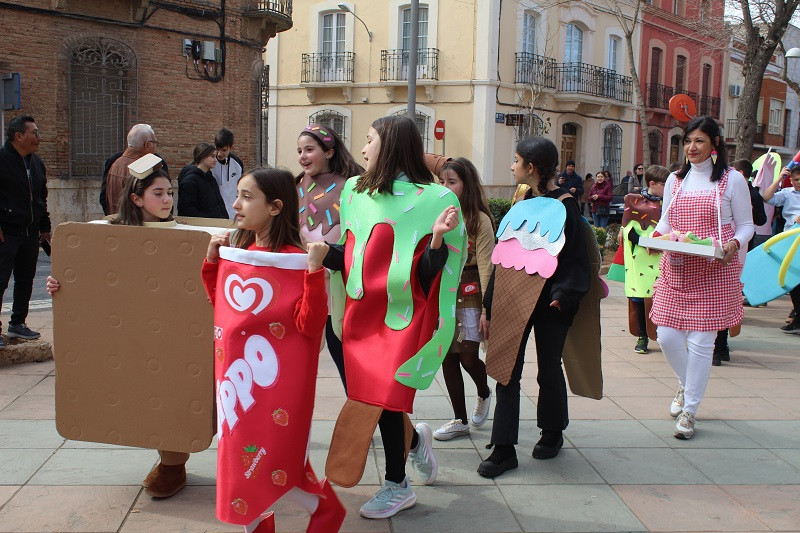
column 536, row 70
column 267, row 7
column 708, row 105
column 394, row 64
column 731, row 127
column 332, row 67
column 658, row 95
column 588, row 79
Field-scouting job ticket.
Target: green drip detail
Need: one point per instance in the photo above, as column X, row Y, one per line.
column 641, row 268
column 360, row 213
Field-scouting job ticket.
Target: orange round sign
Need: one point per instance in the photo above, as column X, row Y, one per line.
column 682, row 107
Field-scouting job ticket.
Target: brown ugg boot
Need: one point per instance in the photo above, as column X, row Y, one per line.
column 169, row 480
column 151, row 476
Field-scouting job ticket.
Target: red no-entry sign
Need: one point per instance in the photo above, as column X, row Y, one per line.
column 438, row 130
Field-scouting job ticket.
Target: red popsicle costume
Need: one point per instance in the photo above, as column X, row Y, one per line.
column 269, row 315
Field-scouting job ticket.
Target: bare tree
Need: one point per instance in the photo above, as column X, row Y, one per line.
column 763, row 24
column 627, row 13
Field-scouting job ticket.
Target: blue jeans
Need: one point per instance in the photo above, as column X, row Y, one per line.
column 600, row 221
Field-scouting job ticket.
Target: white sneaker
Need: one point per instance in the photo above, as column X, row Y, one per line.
column 676, row 407
column 684, row 429
column 481, row 410
column 389, row 500
column 452, row 429
column 421, row 457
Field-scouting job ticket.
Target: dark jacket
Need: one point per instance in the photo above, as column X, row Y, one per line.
column 23, row 202
column 572, row 179
column 198, row 195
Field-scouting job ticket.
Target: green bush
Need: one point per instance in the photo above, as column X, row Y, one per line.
column 612, row 231
column 499, row 207
column 601, row 235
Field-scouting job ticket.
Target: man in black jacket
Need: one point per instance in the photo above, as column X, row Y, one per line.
column 24, row 220
column 570, row 180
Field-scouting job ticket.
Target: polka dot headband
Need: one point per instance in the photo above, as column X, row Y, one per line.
column 322, row 134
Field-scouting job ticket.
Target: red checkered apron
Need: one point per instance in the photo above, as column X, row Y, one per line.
column 696, row 293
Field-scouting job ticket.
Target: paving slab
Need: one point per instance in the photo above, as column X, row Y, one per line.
column 687, row 508
column 29, row 434
column 30, row 407
column 29, row 369
column 569, row 508
column 742, row 466
column 96, row 467
column 642, row 466
column 19, row 384
column 709, row 434
column 613, row 434
column 569, row 467
column 191, row 510
column 776, row 506
column 18, row 465
column 770, row 434
column 6, row 492
column 78, row 509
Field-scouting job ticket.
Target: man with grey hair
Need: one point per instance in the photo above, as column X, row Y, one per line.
column 141, row 141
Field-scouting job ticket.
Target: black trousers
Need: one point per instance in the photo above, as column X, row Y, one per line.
column 550, row 333
column 335, row 348
column 19, row 254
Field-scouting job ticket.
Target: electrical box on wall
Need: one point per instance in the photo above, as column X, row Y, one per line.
column 187, row 47
column 208, row 51
column 197, row 50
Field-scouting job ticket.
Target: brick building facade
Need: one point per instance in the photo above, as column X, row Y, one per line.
column 90, row 70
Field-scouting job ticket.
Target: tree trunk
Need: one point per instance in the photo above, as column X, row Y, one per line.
column 640, row 103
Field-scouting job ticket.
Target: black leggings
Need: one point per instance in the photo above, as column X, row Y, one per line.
column 451, row 369
column 392, row 429
column 335, row 348
column 640, row 317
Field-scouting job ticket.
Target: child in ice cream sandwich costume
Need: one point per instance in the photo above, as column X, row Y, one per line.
column 270, row 308
column 542, row 273
column 401, row 256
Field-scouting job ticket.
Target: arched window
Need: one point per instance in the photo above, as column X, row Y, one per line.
column 655, row 141
column 423, row 121
column 102, row 102
column 675, row 149
column 333, row 119
column 612, row 150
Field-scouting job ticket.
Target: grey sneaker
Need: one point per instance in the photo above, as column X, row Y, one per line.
column 389, row 500
column 481, row 410
column 676, row 407
column 684, row 429
column 421, row 457
column 450, row 430
column 22, row 331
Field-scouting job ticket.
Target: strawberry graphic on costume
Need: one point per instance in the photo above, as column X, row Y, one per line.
column 271, row 314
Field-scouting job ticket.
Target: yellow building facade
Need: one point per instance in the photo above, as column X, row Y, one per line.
column 493, row 71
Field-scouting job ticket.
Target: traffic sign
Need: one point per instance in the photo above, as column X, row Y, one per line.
column 438, row 130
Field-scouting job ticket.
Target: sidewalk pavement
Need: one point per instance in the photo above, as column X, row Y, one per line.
column 620, row 469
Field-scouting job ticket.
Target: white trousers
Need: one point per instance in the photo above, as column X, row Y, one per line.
column 689, row 354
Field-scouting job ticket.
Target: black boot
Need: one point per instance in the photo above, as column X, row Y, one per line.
column 549, row 445
column 503, row 459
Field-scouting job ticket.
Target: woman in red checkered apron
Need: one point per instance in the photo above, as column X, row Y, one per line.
column 696, row 296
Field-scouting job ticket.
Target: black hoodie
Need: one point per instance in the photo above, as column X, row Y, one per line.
column 198, row 194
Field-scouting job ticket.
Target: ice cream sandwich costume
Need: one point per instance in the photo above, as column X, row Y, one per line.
column 640, row 216
column 394, row 334
column 269, row 315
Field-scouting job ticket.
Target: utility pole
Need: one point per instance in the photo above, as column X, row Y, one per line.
column 413, row 53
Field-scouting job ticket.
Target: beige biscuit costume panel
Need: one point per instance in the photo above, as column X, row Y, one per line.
column 133, row 336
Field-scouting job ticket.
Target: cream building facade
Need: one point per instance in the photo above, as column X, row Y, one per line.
column 493, row 71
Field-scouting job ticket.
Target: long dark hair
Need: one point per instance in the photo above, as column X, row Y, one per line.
column 710, row 127
column 276, row 184
column 401, row 151
column 341, row 163
column 542, row 154
column 473, row 199
column 201, row 151
column 129, row 213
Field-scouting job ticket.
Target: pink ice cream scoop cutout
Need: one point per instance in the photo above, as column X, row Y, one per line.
column 251, row 295
column 511, row 254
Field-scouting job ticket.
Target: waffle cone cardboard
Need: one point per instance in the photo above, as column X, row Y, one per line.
column 133, row 336
column 509, row 318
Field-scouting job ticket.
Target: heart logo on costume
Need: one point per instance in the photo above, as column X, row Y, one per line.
column 250, row 295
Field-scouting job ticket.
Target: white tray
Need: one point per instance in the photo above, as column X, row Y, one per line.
column 701, row 250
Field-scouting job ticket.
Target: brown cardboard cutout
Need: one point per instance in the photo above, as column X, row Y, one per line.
column 509, row 318
column 582, row 348
column 133, row 336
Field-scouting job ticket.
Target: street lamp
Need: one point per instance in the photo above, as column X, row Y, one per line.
column 346, row 9
column 793, row 53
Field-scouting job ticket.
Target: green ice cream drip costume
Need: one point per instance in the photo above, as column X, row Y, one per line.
column 410, row 212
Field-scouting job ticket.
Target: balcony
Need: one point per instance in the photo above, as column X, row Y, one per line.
column 326, row 68
column 658, row 95
column 709, row 105
column 265, row 18
column 731, row 127
column 394, row 64
column 535, row 70
column 582, row 78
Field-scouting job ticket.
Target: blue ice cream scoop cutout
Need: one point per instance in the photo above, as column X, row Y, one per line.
column 548, row 214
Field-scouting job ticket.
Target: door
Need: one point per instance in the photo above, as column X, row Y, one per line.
column 569, row 142
column 332, row 60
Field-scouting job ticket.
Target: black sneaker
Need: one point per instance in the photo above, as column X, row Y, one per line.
column 503, row 459
column 22, row 331
column 715, row 360
column 549, row 445
column 792, row 327
column 724, row 353
column 791, row 317
column 641, row 345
